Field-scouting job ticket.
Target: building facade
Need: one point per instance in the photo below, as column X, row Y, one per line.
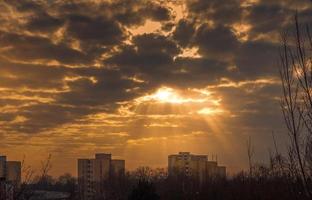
column 2, row 166
column 92, row 173
column 13, row 173
column 10, row 171
column 10, row 177
column 196, row 166
column 6, row 190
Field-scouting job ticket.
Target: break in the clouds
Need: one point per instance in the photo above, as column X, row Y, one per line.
column 128, row 76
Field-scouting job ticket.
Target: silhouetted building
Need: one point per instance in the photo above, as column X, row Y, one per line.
column 10, row 178
column 196, row 166
column 10, row 171
column 92, row 173
column 2, row 166
column 6, row 190
column 117, row 167
column 13, row 173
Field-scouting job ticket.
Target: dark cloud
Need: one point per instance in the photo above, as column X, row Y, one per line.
column 286, row 3
column 126, row 12
column 130, row 12
column 154, row 43
column 184, row 32
column 109, row 89
column 267, row 18
column 98, row 58
column 5, row 117
column 198, row 72
column 150, row 53
column 220, row 12
column 43, row 117
column 256, row 59
column 44, row 22
column 98, row 31
column 26, row 6
column 157, row 12
column 39, row 48
column 81, row 97
column 17, row 75
column 219, row 42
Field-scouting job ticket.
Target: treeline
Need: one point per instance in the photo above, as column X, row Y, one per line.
column 264, row 182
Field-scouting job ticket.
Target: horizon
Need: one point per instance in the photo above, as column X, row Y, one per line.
column 127, row 169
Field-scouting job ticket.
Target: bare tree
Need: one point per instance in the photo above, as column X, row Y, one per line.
column 46, row 167
column 23, row 191
column 250, row 154
column 296, row 102
column 143, row 173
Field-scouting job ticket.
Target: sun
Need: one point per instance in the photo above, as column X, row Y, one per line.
column 167, row 95
column 174, row 96
column 197, row 102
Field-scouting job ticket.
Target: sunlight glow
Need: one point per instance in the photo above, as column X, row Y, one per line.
column 169, row 95
column 148, row 27
column 190, row 53
column 241, row 31
column 209, row 111
column 166, row 95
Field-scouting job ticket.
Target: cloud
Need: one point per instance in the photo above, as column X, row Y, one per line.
column 219, row 42
column 258, row 59
column 36, row 48
column 95, row 30
column 72, row 72
column 219, row 12
column 44, row 22
column 266, row 19
column 150, row 55
column 80, row 55
column 184, row 32
column 25, row 6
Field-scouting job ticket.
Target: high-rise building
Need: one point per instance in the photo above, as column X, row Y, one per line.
column 196, row 166
column 10, row 171
column 117, row 167
column 13, row 172
column 6, row 190
column 2, row 166
column 92, row 173
column 10, row 177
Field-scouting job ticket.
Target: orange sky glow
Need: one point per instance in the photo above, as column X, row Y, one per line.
column 140, row 79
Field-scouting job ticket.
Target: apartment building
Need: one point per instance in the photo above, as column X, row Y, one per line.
column 2, row 166
column 196, row 166
column 10, row 171
column 92, row 173
column 10, row 177
column 6, row 190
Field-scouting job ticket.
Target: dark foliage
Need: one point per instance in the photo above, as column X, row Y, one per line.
column 144, row 190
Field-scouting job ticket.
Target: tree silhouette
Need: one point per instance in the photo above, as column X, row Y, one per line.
column 144, row 190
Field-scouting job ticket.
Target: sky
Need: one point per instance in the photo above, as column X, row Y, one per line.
column 141, row 79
